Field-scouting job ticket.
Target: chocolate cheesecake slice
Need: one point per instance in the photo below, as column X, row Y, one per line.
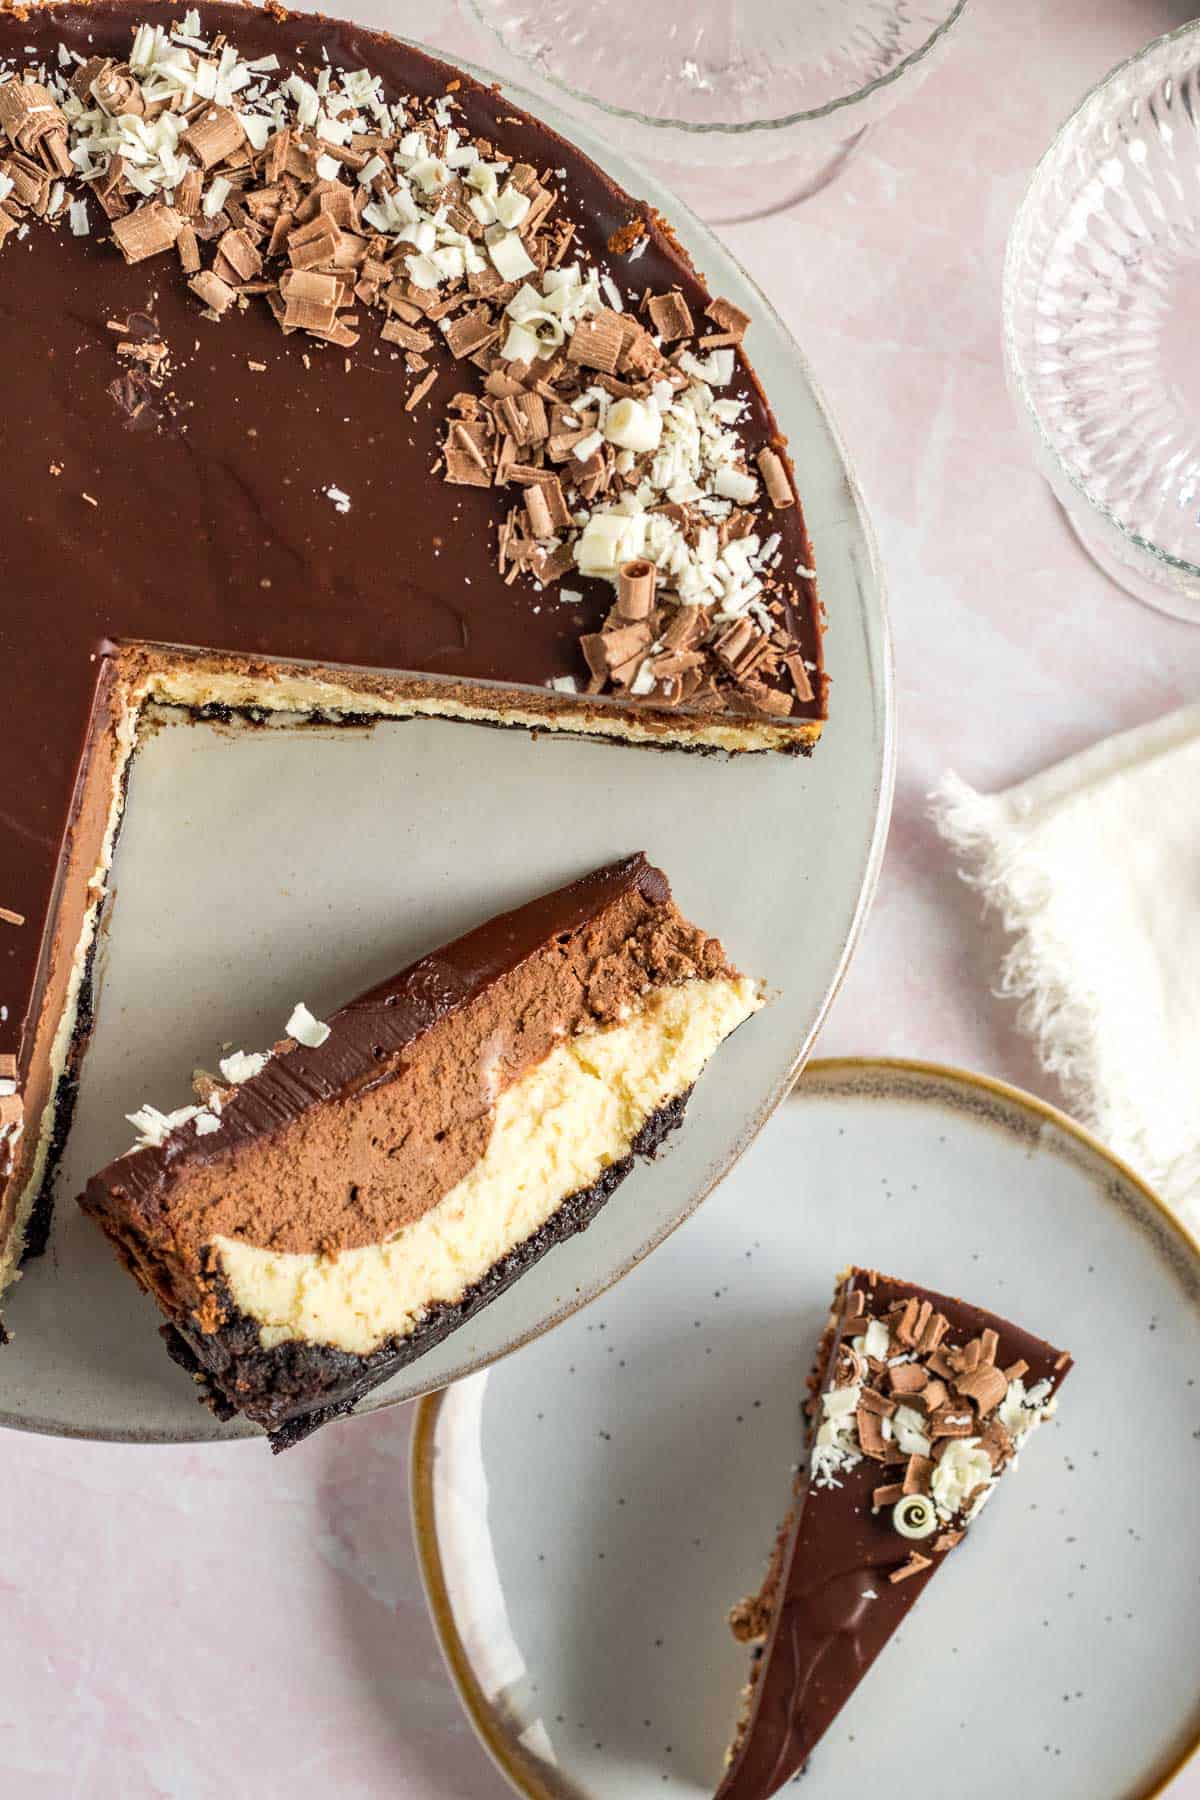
column 345, row 389
column 331, row 1210
column 917, row 1407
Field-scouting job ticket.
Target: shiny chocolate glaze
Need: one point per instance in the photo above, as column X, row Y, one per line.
column 211, row 528
column 826, row 1632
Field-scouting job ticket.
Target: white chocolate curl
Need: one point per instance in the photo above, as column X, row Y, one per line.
column 915, row 1516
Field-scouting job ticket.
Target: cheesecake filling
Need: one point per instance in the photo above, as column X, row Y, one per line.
column 918, row 1404
column 283, row 689
column 554, row 1132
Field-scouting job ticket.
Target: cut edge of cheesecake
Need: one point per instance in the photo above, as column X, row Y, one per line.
column 34, row 1134
column 917, row 1406
column 332, row 1209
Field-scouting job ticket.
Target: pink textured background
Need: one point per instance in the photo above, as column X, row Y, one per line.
column 204, row 1623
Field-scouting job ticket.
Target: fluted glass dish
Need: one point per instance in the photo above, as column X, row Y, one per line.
column 742, row 105
column 1102, row 322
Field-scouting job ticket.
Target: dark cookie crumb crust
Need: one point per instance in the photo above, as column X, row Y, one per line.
column 293, row 1389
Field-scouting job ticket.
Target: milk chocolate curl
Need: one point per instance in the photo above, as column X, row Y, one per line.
column 914, row 1566
column 774, row 475
column 538, row 513
column 635, row 589
column 11, row 1110
column 28, row 114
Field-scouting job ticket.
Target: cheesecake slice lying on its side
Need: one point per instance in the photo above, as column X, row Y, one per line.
column 334, row 1208
column 918, row 1405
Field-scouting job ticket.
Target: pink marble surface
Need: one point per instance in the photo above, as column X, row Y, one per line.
column 204, row 1623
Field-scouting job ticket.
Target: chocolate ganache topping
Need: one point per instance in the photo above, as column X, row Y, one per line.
column 364, row 488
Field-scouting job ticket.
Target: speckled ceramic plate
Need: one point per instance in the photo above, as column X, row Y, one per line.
column 260, row 868
column 587, row 1511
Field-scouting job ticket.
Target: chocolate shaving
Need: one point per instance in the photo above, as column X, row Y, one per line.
column 951, row 1422
column 935, row 1394
column 984, row 1385
column 396, row 332
column 917, row 1473
column 187, row 248
column 419, row 392
column 906, row 1378
column 767, row 699
column 996, row 1439
column 904, row 1323
column 596, row 343
column 471, row 331
column 730, row 318
column 147, row 232
column 240, row 254
column 799, row 675
column 870, row 1435
column 537, row 512
column 914, row 1566
column 670, row 315
column 29, row 113
column 935, row 1330
column 552, row 565
column 214, row 292
column 625, row 643
column 775, row 479
column 466, row 453
column 214, row 136
column 635, row 589
column 309, row 246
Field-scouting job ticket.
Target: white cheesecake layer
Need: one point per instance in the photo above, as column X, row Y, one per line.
column 291, row 690
column 555, row 1132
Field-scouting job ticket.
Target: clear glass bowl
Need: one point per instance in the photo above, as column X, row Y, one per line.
column 1102, row 322
column 742, row 105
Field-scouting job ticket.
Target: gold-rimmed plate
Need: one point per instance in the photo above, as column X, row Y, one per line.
column 587, row 1511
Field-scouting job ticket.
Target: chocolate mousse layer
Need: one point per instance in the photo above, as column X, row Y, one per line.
column 918, row 1405
column 331, row 1210
column 263, row 467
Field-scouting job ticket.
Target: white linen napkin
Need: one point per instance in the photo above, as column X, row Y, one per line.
column 1094, row 866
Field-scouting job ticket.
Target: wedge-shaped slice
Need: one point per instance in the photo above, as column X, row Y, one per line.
column 337, row 1207
column 918, row 1405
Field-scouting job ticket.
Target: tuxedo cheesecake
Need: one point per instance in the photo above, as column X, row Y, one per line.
column 328, row 1211
column 344, row 388
column 918, row 1405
